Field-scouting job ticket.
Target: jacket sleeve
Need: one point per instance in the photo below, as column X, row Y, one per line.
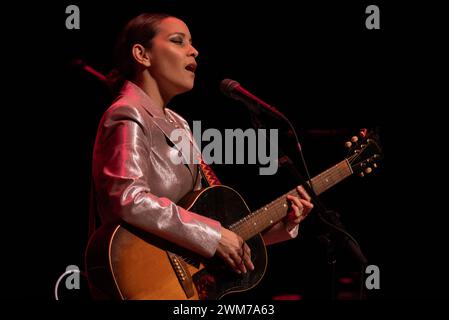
column 121, row 170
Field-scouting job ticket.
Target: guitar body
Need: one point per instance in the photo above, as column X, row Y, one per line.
column 123, row 262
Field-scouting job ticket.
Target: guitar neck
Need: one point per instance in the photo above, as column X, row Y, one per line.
column 273, row 212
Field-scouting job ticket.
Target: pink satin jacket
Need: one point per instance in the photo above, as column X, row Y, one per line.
column 134, row 179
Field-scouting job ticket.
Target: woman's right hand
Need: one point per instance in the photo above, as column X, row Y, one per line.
column 234, row 251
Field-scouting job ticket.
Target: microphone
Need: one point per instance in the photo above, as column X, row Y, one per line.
column 234, row 90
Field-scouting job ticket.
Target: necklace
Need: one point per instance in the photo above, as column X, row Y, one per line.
column 170, row 120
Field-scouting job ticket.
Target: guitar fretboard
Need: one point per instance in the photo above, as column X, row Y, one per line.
column 273, row 212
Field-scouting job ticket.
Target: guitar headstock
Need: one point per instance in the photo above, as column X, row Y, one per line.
column 364, row 152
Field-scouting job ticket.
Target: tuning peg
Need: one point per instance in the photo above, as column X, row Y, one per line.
column 363, row 132
column 354, row 139
column 348, row 144
column 368, row 170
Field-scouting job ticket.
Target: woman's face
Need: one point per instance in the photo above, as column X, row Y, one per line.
column 173, row 57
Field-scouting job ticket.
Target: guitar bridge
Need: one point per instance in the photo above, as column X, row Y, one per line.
column 182, row 273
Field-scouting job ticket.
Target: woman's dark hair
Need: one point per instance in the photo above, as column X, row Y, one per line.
column 141, row 30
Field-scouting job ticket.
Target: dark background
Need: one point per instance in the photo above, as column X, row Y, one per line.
column 318, row 64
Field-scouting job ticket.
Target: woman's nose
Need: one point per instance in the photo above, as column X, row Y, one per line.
column 193, row 51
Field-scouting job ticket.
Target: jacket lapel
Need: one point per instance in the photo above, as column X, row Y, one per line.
column 159, row 119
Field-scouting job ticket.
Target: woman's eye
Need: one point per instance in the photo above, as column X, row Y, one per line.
column 178, row 41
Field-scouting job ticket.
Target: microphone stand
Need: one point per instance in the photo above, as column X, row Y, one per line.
column 336, row 234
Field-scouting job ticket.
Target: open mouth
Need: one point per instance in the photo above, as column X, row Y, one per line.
column 191, row 67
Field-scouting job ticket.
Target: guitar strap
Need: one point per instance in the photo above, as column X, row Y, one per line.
column 207, row 173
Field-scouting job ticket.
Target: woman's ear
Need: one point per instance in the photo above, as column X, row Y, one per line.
column 141, row 55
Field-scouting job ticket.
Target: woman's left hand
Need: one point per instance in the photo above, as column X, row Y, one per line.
column 300, row 208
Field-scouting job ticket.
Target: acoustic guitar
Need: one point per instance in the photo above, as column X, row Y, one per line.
column 123, row 262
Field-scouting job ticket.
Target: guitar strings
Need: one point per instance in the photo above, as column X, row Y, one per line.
column 247, row 228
